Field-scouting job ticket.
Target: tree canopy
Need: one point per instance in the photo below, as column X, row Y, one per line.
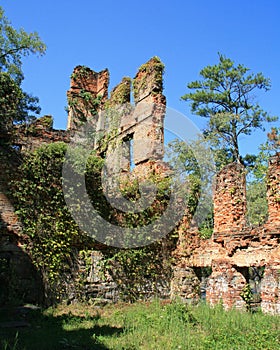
column 225, row 95
column 15, row 104
column 14, row 45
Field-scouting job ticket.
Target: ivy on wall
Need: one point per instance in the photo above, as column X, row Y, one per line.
column 55, row 240
column 54, row 236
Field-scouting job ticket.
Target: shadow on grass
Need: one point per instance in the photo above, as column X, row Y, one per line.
column 34, row 330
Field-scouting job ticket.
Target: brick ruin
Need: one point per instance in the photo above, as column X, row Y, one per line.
column 18, row 277
column 224, row 264
column 139, row 127
column 217, row 268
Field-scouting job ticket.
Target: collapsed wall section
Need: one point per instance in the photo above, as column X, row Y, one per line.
column 138, row 130
column 136, row 137
column 28, row 138
column 236, row 252
column 88, row 92
column 19, row 280
column 134, row 132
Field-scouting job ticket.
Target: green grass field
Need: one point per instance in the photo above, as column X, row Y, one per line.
column 145, row 326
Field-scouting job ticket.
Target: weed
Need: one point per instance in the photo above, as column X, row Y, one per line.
column 146, row 326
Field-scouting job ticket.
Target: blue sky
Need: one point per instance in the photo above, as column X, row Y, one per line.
column 121, row 35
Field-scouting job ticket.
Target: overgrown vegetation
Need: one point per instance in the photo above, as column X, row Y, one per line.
column 142, row 273
column 145, row 326
column 195, row 166
column 56, row 243
column 257, row 209
column 83, row 104
column 15, row 105
column 154, row 66
column 55, row 238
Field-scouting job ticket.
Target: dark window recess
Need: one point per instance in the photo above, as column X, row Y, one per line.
column 203, row 273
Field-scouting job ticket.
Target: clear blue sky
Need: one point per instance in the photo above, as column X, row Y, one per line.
column 121, row 35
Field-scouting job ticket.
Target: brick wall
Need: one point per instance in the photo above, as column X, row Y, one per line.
column 234, row 248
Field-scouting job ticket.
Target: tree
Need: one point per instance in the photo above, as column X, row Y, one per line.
column 257, row 209
column 15, row 104
column 272, row 144
column 14, row 45
column 225, row 96
column 194, row 164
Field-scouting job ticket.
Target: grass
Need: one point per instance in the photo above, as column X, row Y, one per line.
column 142, row 326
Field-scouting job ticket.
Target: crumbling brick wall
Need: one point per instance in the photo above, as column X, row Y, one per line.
column 30, row 137
column 225, row 285
column 234, row 248
column 88, row 102
column 231, row 250
column 114, row 116
column 133, row 133
column 129, row 136
column 86, row 96
column 19, row 280
column 273, row 190
column 230, row 188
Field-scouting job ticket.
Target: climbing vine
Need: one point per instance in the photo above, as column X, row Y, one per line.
column 140, row 273
column 55, row 240
column 82, row 103
column 247, row 295
column 154, row 66
column 54, row 236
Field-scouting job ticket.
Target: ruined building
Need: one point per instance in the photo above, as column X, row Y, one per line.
column 218, row 268
column 140, row 126
column 234, row 250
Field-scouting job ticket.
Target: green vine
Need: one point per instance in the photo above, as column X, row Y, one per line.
column 247, row 295
column 54, row 236
column 153, row 67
